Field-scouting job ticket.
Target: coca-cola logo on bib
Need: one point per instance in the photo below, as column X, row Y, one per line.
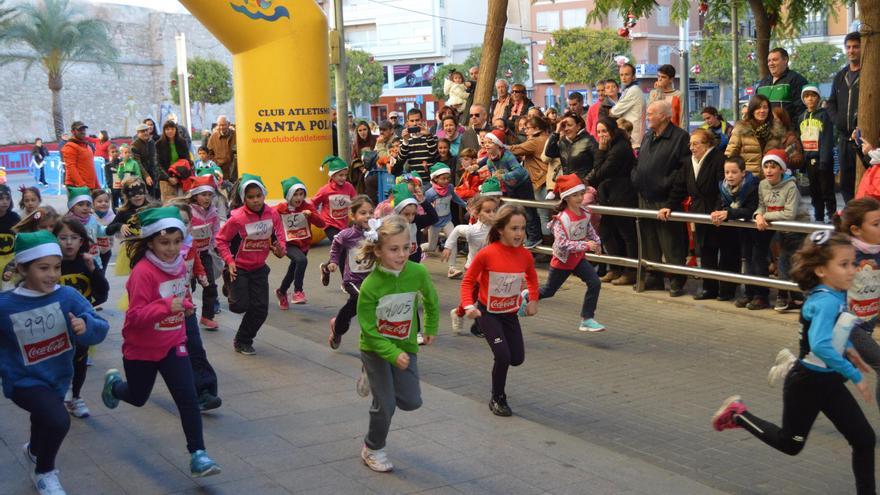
column 43, row 349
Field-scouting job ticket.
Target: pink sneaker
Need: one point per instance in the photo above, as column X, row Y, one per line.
column 724, row 419
column 299, row 297
column 282, row 299
column 208, row 324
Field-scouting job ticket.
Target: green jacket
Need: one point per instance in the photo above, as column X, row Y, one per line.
column 388, row 308
column 129, row 167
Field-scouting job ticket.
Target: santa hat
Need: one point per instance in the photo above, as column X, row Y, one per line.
column 874, row 156
column 439, row 168
column 290, row 185
column 810, row 87
column 778, row 156
column 334, row 164
column 491, row 187
column 566, row 185
column 33, row 245
column 249, row 180
column 496, row 137
column 402, row 197
column 78, row 195
column 200, row 184
column 156, row 220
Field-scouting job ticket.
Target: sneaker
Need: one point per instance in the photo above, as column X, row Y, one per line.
column 377, row 460
column 299, row 297
column 420, row 339
column 498, row 406
column 453, row 273
column 77, row 408
column 283, row 301
column 242, row 348
column 741, row 302
column 334, row 339
column 28, row 456
column 782, row 304
column 363, row 383
column 784, row 362
column 47, row 483
column 111, row 377
column 208, row 324
column 757, row 304
column 532, row 244
column 724, row 418
column 208, row 401
column 522, row 306
column 591, row 325
column 456, row 320
column 475, row 330
column 200, row 465
column 325, row 275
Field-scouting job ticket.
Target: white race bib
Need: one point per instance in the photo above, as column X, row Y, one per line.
column 442, row 205
column 394, row 315
column 353, row 265
column 258, row 236
column 296, row 226
column 339, row 204
column 504, row 291
column 810, row 138
column 201, row 235
column 172, row 288
column 41, row 333
column 577, row 231
column 863, row 296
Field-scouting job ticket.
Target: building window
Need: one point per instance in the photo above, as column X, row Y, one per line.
column 663, row 16
column 547, row 21
column 361, row 37
column 541, row 66
column 816, row 25
column 663, row 53
column 574, row 18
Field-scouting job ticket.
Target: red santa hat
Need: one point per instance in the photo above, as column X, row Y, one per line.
column 496, row 136
column 566, row 185
column 777, row 156
column 200, row 184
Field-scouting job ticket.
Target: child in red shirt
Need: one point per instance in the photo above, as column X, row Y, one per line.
column 297, row 216
column 334, row 198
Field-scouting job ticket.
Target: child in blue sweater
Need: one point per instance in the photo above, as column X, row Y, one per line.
column 441, row 195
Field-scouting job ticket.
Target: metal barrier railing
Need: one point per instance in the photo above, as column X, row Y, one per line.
column 642, row 264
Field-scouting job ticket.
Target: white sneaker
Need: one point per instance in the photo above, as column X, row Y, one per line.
column 420, row 339
column 47, row 483
column 77, row 408
column 784, row 362
column 363, row 383
column 28, row 456
column 377, row 460
column 456, row 320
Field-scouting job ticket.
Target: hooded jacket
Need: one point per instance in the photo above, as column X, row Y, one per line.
column 780, row 201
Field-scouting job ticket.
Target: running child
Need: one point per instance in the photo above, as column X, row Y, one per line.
column 387, row 310
column 407, row 205
column 441, row 196
column 333, row 199
column 573, row 237
column 30, row 200
column 297, row 215
column 343, row 253
column 500, row 269
column 134, row 195
column 204, row 228
column 48, row 320
column 825, row 266
column 101, row 201
column 254, row 223
column 154, row 334
column 79, row 204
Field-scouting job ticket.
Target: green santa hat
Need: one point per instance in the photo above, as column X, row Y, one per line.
column 439, row 168
column 33, row 245
column 247, row 180
column 78, row 195
column 156, row 220
column 290, row 185
column 333, row 164
column 402, row 197
column 491, row 187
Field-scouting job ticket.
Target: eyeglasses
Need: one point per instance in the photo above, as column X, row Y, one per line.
column 515, row 91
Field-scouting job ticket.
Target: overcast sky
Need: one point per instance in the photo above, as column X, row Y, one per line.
column 165, row 5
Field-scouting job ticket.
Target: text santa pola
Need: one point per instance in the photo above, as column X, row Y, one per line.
column 291, row 120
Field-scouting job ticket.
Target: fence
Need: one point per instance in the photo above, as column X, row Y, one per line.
column 642, row 264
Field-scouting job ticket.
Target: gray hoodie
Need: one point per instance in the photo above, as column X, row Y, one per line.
column 781, row 201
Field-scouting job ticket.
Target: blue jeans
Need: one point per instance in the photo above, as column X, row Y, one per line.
column 584, row 271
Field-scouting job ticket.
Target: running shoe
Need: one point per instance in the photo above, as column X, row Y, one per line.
column 283, row 301
column 208, row 324
column 523, row 304
column 363, row 383
column 475, row 330
column 591, row 325
column 725, row 417
column 334, row 339
column 77, row 408
column 111, row 377
column 242, row 348
column 325, row 274
column 784, row 362
column 453, row 273
column 208, row 401
column 48, row 483
column 420, row 339
column 498, row 406
column 299, row 297
column 377, row 460
column 200, row 465
column 782, row 304
column 456, row 320
column 26, row 450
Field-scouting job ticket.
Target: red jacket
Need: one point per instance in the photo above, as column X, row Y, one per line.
column 102, row 149
column 501, row 271
column 256, row 236
column 296, row 225
column 79, row 165
column 334, row 202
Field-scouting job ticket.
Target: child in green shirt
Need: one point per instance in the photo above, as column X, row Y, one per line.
column 128, row 166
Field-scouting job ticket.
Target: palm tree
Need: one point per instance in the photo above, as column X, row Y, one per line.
column 6, row 15
column 57, row 36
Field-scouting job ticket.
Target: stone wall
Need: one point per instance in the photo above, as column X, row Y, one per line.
column 107, row 100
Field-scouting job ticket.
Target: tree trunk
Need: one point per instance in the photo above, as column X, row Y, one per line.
column 763, row 28
column 869, row 79
column 55, row 85
column 492, row 40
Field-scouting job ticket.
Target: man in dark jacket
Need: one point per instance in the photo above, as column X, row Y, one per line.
column 143, row 149
column 664, row 150
column 843, row 107
column 478, row 122
column 783, row 85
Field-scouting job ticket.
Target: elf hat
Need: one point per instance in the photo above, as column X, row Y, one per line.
column 496, row 137
column 439, row 168
column 566, row 185
column 778, row 156
column 334, row 164
column 33, row 245
column 402, row 197
column 290, row 185
column 156, row 220
column 491, row 187
column 202, row 183
column 78, row 195
column 249, row 180
column 810, row 87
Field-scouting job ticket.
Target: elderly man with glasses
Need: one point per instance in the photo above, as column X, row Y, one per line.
column 478, row 122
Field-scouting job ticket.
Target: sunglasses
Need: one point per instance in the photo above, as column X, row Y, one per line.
column 475, row 115
column 518, row 91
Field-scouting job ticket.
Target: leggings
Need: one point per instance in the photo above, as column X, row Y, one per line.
column 434, row 235
column 204, row 377
column 177, row 373
column 80, row 366
column 331, row 232
column 869, row 350
column 49, row 423
column 105, row 259
column 347, row 311
column 391, row 388
column 209, row 293
column 584, row 271
column 805, row 394
column 296, row 271
column 504, row 335
column 249, row 294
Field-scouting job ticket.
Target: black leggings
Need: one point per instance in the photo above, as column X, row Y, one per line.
column 805, row 394
column 347, row 311
column 177, row 373
column 504, row 335
column 49, row 423
column 105, row 259
column 204, row 376
column 249, row 294
column 209, row 293
column 80, row 366
column 296, row 271
column 331, row 232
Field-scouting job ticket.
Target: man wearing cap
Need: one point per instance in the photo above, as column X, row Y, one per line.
column 79, row 159
column 143, row 149
column 515, row 178
column 394, row 119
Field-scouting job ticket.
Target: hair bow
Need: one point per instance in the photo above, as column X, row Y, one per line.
column 820, row 237
column 372, row 235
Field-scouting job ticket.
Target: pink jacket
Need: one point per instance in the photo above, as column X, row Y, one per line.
column 334, row 201
column 150, row 329
column 256, row 236
column 205, row 225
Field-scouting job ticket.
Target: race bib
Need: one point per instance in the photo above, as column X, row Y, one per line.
column 41, row 333
column 296, row 227
column 172, row 288
column 201, row 235
column 258, row 236
column 394, row 315
column 577, row 231
column 354, row 266
column 339, row 204
column 864, row 293
column 810, row 138
column 504, row 292
column 442, row 206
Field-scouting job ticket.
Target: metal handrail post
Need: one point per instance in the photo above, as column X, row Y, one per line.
column 640, row 282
